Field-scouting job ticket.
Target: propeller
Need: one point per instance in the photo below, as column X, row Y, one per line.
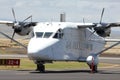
column 98, row 25
column 102, row 15
column 13, row 12
column 17, row 26
column 27, row 18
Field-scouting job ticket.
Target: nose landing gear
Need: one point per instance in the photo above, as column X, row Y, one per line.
column 40, row 66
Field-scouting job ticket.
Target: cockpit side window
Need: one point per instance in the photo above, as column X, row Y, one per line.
column 58, row 34
column 47, row 34
column 39, row 34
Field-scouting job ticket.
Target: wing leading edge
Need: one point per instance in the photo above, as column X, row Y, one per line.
column 9, row 23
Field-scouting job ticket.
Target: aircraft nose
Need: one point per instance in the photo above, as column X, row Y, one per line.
column 40, row 48
column 35, row 46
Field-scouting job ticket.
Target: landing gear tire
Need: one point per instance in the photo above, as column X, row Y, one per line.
column 94, row 68
column 41, row 68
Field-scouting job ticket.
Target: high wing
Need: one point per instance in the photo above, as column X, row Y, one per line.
column 102, row 29
column 112, row 40
column 22, row 28
column 86, row 25
column 9, row 23
column 94, row 25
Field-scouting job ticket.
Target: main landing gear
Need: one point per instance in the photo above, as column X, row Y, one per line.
column 40, row 66
column 93, row 68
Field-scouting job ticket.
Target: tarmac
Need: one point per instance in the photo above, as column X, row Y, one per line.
column 104, row 73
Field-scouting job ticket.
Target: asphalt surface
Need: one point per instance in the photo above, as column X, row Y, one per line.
column 104, row 73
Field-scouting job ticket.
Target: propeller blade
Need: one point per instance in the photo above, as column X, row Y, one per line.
column 13, row 36
column 13, row 12
column 13, row 40
column 113, row 25
column 102, row 15
column 27, row 18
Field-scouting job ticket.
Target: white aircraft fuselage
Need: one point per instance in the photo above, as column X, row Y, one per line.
column 63, row 41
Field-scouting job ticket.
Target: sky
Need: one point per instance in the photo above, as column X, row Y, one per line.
column 49, row 10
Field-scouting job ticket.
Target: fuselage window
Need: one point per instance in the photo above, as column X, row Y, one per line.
column 39, row 34
column 58, row 34
column 47, row 34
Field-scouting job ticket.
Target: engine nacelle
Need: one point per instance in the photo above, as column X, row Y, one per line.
column 92, row 60
column 102, row 31
column 23, row 31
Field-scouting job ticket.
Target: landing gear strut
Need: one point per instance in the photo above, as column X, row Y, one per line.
column 40, row 66
column 93, row 68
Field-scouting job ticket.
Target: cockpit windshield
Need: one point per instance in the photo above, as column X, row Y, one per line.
column 47, row 34
column 58, row 34
column 43, row 34
column 39, row 34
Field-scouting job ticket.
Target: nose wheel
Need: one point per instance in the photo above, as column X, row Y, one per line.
column 40, row 67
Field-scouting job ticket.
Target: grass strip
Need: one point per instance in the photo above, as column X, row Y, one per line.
column 27, row 64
